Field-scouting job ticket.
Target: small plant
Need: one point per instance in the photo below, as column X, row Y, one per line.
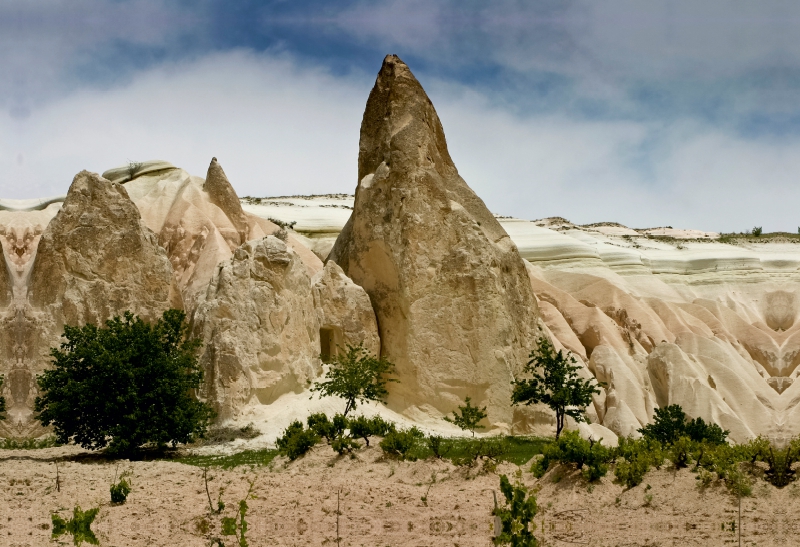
column 756, row 231
column 357, row 377
column 555, row 383
column 468, row 417
column 515, row 518
column 296, row 440
column 120, row 490
column 590, row 457
column 79, row 526
column 398, row 443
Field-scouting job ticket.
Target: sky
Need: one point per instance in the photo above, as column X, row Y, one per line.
column 683, row 113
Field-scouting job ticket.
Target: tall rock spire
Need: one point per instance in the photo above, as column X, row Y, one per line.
column 222, row 194
column 454, row 303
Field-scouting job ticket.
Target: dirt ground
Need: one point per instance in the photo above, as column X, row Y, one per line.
column 380, row 503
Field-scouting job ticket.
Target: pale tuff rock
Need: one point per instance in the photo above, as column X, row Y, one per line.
column 97, row 258
column 222, row 194
column 134, row 169
column 259, row 327
column 455, row 309
column 200, row 223
column 345, row 313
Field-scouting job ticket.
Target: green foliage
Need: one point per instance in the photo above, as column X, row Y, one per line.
column 329, row 429
column 398, row 443
column 357, row 377
column 670, row 424
column 779, row 460
column 124, row 385
column 555, row 383
column 634, row 457
column 364, row 428
column 756, row 231
column 296, row 440
column 680, row 452
column 252, row 458
column 79, row 526
column 237, row 526
column 29, row 444
column 120, row 491
column 591, row 457
column 438, row 446
column 516, row 515
column 490, row 451
column 468, row 417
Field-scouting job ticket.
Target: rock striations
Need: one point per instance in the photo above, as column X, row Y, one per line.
column 454, row 305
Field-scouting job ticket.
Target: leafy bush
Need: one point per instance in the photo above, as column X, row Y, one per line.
column 296, row 440
column 779, row 460
column 590, row 457
column 670, row 424
column 357, row 377
column 490, row 450
column 634, row 458
column 124, row 385
column 399, row 442
column 438, row 445
column 516, row 516
column 468, row 417
column 364, row 428
column 756, row 231
column 331, row 430
column 120, row 491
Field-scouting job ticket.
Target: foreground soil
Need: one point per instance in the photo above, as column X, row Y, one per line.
column 380, row 503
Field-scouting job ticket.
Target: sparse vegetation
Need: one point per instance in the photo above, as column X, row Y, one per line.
column 296, row 440
column 756, row 231
column 555, row 383
column 468, row 417
column 124, row 385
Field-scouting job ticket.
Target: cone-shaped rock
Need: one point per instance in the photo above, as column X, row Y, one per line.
column 454, row 303
column 224, row 196
column 97, row 259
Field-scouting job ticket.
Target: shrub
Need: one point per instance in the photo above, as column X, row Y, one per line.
column 555, row 383
column 516, row 516
column 670, row 424
column 296, row 440
column 634, row 458
column 590, row 457
column 756, row 231
column 357, row 377
column 398, row 443
column 438, row 446
column 680, row 453
column 331, row 430
column 124, row 385
column 364, row 428
column 120, row 491
column 489, row 450
column 79, row 526
column 468, row 417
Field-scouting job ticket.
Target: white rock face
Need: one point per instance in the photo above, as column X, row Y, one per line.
column 344, row 311
column 454, row 305
column 259, row 327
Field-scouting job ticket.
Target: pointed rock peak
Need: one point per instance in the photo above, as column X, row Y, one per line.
column 400, row 128
column 224, row 196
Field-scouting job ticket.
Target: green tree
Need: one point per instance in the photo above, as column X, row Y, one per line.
column 467, row 417
column 125, row 385
column 357, row 377
column 671, row 423
column 555, row 383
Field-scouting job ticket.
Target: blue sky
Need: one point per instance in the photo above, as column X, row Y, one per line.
column 683, row 113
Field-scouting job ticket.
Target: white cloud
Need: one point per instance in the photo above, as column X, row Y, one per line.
column 279, row 127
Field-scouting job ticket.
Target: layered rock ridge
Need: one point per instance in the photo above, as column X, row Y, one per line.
column 454, row 305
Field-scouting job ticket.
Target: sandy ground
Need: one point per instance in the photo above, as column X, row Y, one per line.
column 380, row 503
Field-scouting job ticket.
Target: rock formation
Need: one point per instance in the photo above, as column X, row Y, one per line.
column 344, row 312
column 455, row 309
column 259, row 327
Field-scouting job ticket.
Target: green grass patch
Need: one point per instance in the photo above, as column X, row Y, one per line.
column 247, row 457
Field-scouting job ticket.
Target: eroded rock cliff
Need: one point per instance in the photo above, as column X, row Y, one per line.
column 455, row 309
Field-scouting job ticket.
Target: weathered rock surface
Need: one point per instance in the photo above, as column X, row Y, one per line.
column 344, row 311
column 259, row 327
column 97, row 258
column 454, row 305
